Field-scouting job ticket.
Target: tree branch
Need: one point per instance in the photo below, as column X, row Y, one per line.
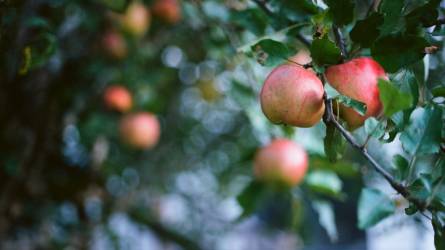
column 330, row 118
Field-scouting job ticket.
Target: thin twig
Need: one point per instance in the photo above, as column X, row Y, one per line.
column 329, row 117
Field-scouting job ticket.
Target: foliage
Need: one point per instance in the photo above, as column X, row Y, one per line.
column 64, row 166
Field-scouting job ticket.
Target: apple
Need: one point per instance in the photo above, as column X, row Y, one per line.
column 140, row 130
column 358, row 80
column 302, row 57
column 281, row 161
column 114, row 44
column 168, row 11
column 118, row 98
column 292, row 95
column 136, row 19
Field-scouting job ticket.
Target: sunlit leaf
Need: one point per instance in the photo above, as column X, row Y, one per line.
column 373, row 206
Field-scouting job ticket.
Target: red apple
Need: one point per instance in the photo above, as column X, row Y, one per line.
column 168, row 11
column 140, row 130
column 292, row 95
column 282, row 161
column 136, row 19
column 302, row 57
column 358, row 80
column 118, row 98
column 114, row 44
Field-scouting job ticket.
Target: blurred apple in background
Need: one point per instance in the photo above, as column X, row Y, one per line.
column 282, row 161
column 168, row 11
column 136, row 19
column 140, row 130
column 118, row 98
column 114, row 44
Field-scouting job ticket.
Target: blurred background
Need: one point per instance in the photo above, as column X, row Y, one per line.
column 69, row 180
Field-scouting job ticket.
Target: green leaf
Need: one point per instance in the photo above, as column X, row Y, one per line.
column 294, row 10
column 269, row 52
column 401, row 166
column 392, row 11
column 342, row 168
column 360, row 107
column 439, row 232
column 116, row 5
column 324, row 51
column 392, row 98
column 341, row 11
column 426, row 15
column 396, row 51
column 421, row 187
column 334, row 143
column 374, row 128
column 326, row 217
column 250, row 197
column 373, row 206
column 253, row 20
column 438, row 91
column 366, row 31
column 423, row 134
column 325, row 182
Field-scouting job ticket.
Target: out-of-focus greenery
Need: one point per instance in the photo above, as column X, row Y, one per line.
column 68, row 180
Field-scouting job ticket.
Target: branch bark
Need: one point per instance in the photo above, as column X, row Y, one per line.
column 329, row 117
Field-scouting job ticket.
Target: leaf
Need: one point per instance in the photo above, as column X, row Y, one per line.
column 342, row 168
column 373, row 206
column 294, row 10
column 326, row 218
column 360, row 107
column 397, row 51
column 426, row 15
column 253, row 20
column 324, row 51
column 325, row 182
column 439, row 233
column 270, row 52
column 392, row 98
column 423, row 134
column 393, row 18
column 438, row 91
column 249, row 197
column 341, row 11
column 334, row 143
column 401, row 167
column 374, row 128
column 366, row 31
column 421, row 187
column 116, row 5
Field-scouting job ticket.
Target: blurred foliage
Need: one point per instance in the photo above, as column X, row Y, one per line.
column 67, row 179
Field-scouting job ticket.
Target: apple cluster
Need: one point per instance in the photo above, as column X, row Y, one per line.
column 136, row 22
column 293, row 95
column 139, row 129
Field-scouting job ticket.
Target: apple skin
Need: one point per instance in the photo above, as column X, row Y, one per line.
column 140, row 130
column 168, row 11
column 292, row 95
column 118, row 98
column 302, row 57
column 114, row 44
column 282, row 161
column 358, row 80
column 136, row 19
